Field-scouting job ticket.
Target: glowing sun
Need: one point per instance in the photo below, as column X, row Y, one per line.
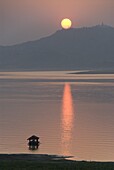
column 66, row 23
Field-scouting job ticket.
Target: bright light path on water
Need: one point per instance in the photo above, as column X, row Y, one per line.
column 67, row 120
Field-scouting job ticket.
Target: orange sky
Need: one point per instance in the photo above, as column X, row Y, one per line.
column 23, row 20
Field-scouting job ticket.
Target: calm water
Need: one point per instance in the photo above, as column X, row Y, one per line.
column 72, row 114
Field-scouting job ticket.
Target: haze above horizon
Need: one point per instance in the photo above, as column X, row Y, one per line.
column 22, row 21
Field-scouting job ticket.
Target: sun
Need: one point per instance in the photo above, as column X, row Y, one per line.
column 66, row 23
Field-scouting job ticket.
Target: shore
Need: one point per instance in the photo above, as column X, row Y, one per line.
column 33, row 157
column 48, row 162
column 94, row 72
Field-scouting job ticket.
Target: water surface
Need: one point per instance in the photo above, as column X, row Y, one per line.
column 72, row 114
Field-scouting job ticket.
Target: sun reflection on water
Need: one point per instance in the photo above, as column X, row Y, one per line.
column 67, row 120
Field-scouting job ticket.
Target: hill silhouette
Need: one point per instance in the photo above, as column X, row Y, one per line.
column 76, row 48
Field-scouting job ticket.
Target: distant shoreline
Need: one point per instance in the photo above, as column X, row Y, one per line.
column 108, row 71
column 94, row 72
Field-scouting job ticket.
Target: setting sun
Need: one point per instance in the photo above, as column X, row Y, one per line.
column 66, row 23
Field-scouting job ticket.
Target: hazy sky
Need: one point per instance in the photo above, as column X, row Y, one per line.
column 24, row 20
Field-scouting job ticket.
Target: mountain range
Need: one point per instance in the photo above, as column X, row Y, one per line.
column 75, row 48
